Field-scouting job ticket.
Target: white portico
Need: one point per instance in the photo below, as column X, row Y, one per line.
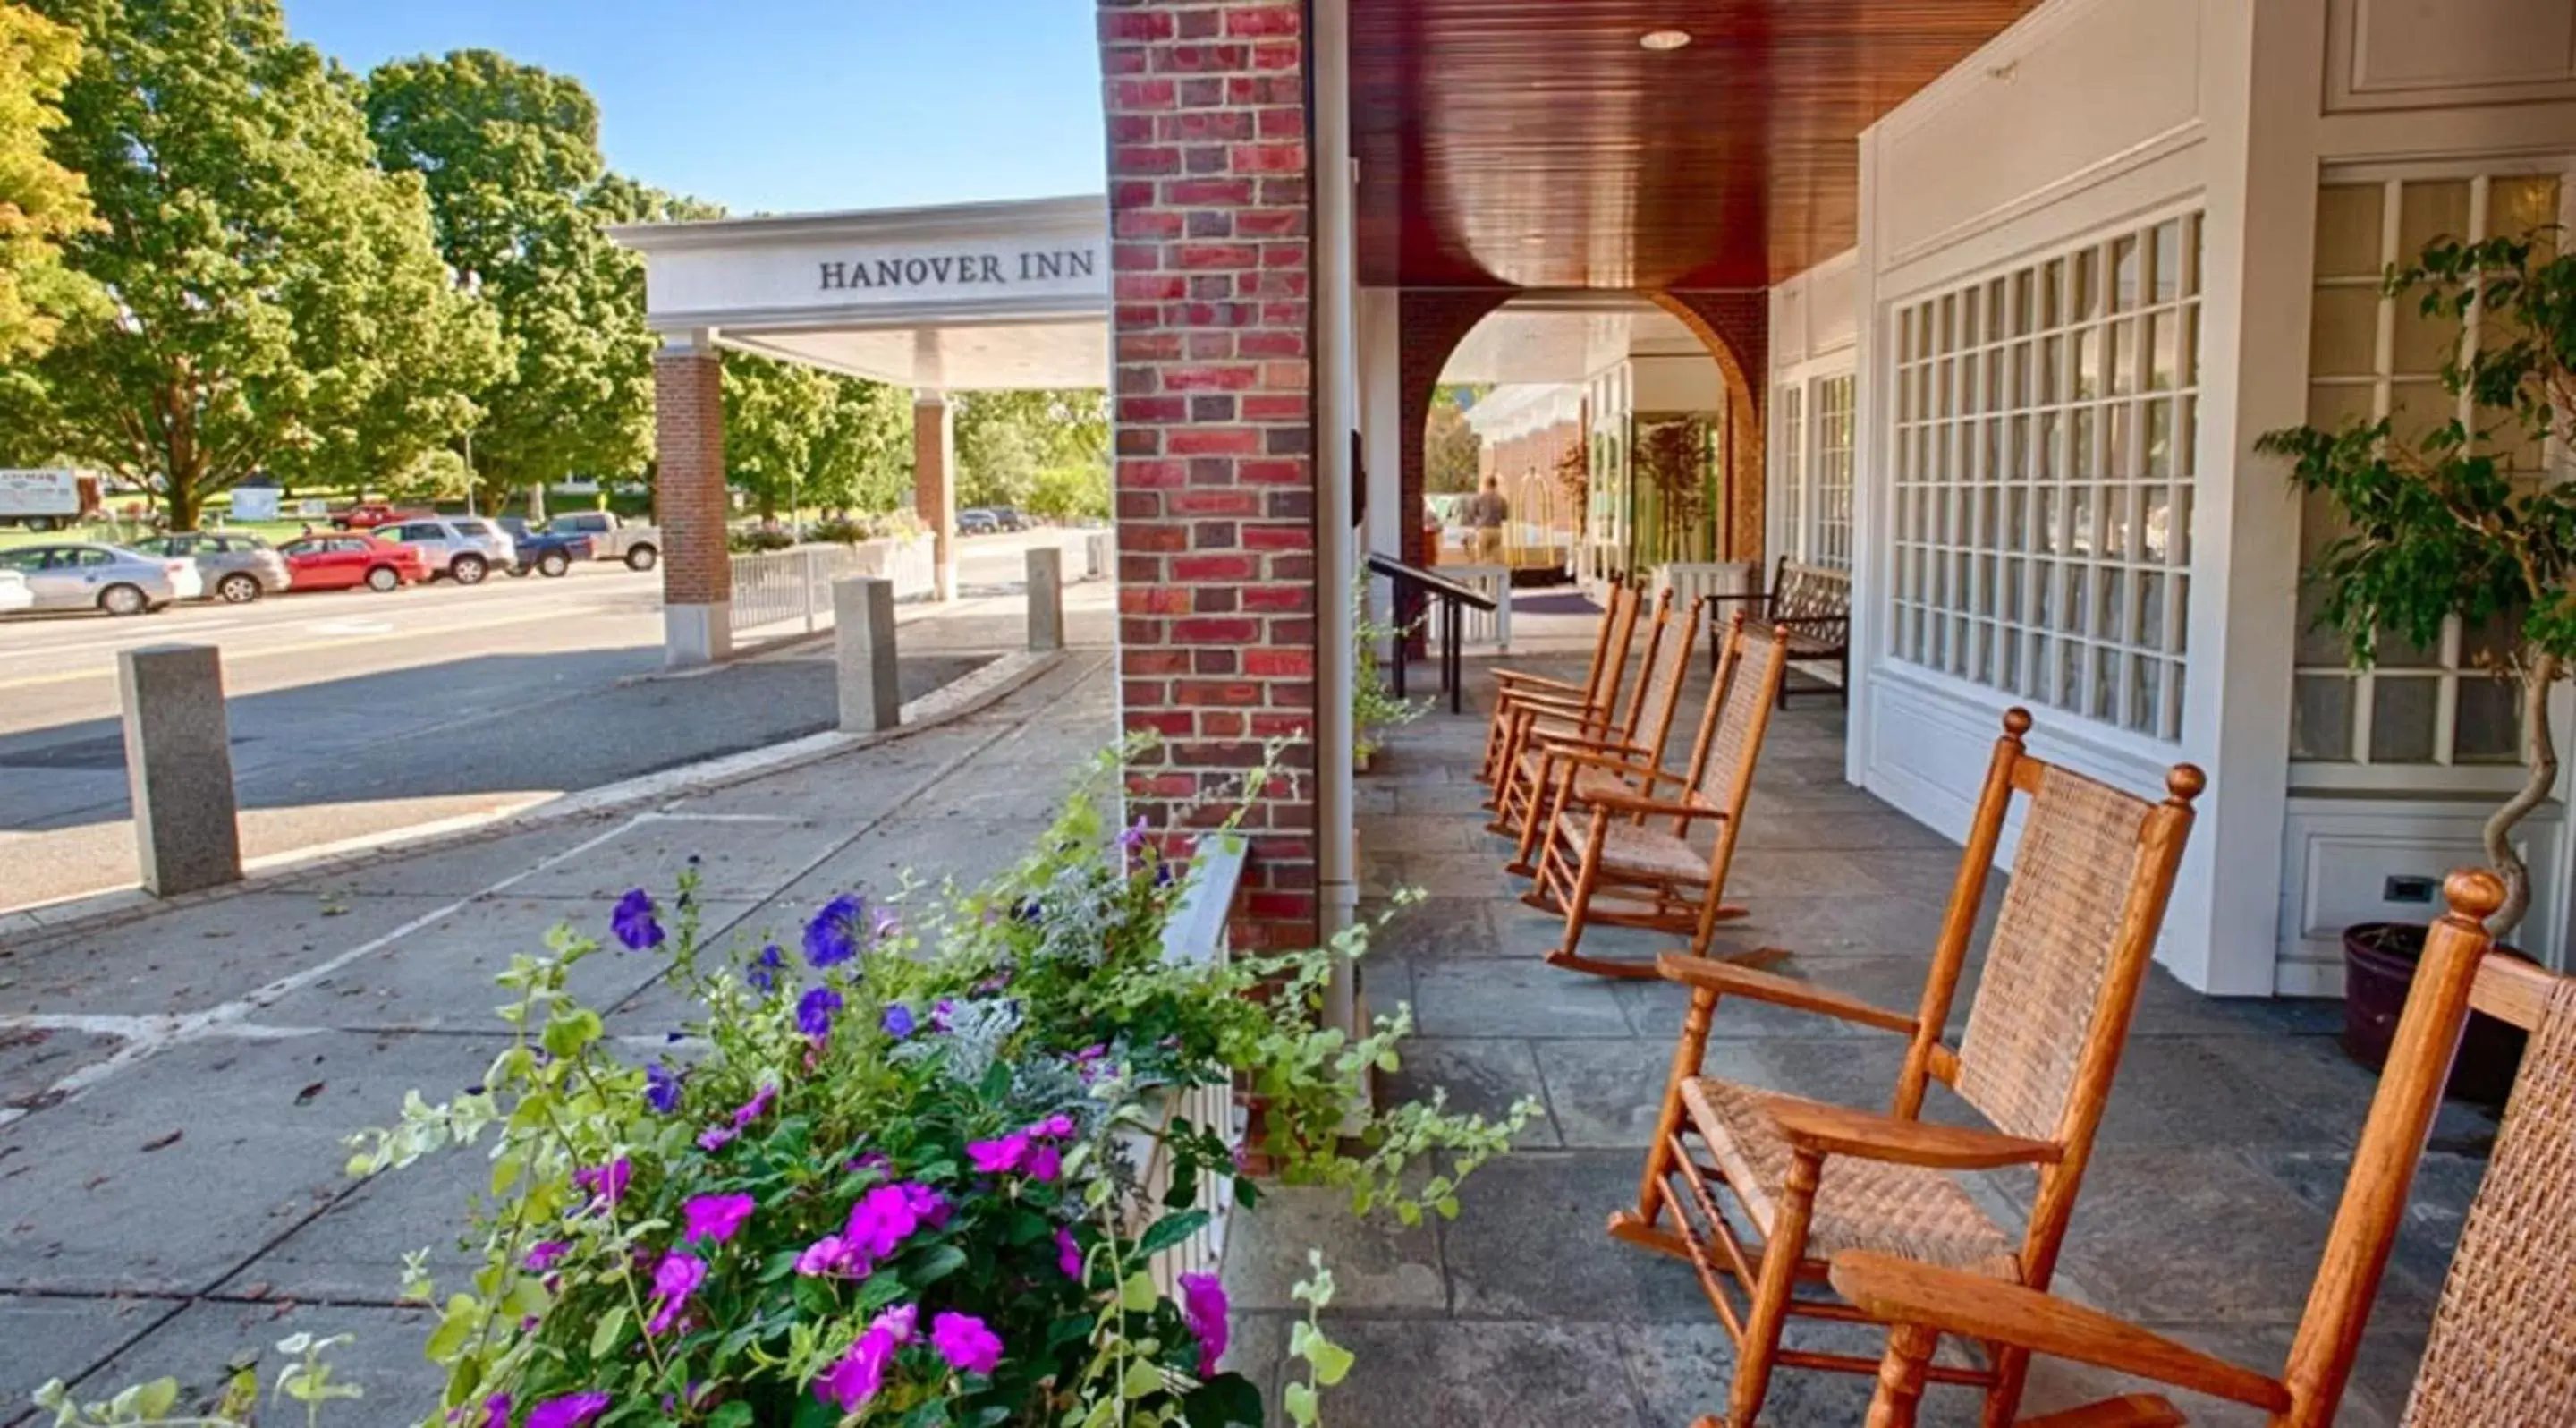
column 965, row 297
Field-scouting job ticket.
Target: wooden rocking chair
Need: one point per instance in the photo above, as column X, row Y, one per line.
column 1599, row 691
column 2501, row 1353
column 1811, row 1180
column 1649, row 728
column 1618, row 849
column 1534, row 715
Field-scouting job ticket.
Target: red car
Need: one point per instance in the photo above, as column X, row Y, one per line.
column 367, row 515
column 345, row 562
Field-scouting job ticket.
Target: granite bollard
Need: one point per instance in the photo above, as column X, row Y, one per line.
column 179, row 765
column 863, row 635
column 1046, row 598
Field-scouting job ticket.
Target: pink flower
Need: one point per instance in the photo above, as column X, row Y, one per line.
column 754, row 1108
column 543, row 1257
column 999, row 1157
column 714, row 1138
column 968, row 1346
column 831, row 1256
column 715, row 1217
column 1068, row 1255
column 674, row 1280
column 1055, row 1127
column 855, row 1378
column 924, row 1203
column 1203, row 1309
column 888, row 1215
column 496, row 1412
column 569, row 1412
column 1045, row 1164
column 607, row 1183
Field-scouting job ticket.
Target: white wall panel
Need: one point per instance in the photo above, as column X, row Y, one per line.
column 2411, row 54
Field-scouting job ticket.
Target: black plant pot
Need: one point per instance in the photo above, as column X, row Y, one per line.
column 2378, row 968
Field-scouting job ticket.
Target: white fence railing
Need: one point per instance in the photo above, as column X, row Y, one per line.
column 1197, row 933
column 1480, row 627
column 792, row 589
column 1694, row 581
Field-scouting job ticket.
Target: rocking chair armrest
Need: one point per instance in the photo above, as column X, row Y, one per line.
column 1736, row 980
column 1571, row 751
column 1561, row 745
column 1875, row 1135
column 1523, row 679
column 1532, row 706
column 1652, row 807
column 1972, row 1306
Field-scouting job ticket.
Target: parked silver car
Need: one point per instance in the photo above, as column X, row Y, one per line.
column 467, row 548
column 85, row 576
column 236, row 569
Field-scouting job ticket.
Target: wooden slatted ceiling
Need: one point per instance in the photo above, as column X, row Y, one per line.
column 1535, row 143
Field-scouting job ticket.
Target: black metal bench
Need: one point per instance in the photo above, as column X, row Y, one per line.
column 1811, row 603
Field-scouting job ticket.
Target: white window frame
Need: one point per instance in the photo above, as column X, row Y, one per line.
column 1814, row 509
column 2441, row 774
column 2028, row 520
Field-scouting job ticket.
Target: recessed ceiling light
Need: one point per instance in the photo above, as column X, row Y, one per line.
column 1664, row 39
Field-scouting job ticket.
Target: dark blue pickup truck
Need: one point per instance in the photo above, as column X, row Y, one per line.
column 549, row 553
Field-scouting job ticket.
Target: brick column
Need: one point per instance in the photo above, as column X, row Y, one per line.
column 689, row 500
column 1736, row 326
column 934, row 488
column 1215, row 480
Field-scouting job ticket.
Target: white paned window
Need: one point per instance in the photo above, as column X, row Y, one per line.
column 2046, row 420
column 1830, row 505
column 1789, row 423
column 2419, row 711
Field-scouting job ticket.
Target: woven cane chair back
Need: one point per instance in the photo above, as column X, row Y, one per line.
column 2054, row 946
column 1610, row 658
column 1739, row 711
column 1667, row 669
column 2501, row 1349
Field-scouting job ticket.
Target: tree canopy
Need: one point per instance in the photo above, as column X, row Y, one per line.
column 1035, row 449
column 1452, row 453
column 278, row 302
column 519, row 195
column 800, row 437
column 41, row 202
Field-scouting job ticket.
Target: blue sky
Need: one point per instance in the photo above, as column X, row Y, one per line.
column 789, row 105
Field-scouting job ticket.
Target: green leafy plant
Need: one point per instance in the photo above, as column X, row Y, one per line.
column 2462, row 523
column 306, row 1379
column 1374, row 708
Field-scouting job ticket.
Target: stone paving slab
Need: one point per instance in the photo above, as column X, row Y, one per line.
column 198, row 1344
column 199, row 956
column 52, row 1338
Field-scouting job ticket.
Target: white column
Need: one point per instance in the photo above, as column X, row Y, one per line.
column 1336, row 417
column 1381, row 405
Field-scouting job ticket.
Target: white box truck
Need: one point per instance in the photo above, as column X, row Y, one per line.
column 48, row 498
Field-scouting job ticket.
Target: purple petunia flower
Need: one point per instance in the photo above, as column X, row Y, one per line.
column 661, row 1089
column 999, row 1157
column 814, row 1012
column 1045, row 1164
column 898, row 1021
column 633, row 921
column 674, row 1280
column 543, row 1257
column 1203, row 1308
column 1055, row 1127
column 1068, row 1254
column 966, row 1343
column 763, row 972
column 1131, row 840
column 606, row 1183
column 829, row 1257
column 833, row 936
column 1028, row 911
column 715, row 1138
column 715, row 1217
column 855, row 1378
column 884, row 924
column 571, row 1411
column 496, row 1411
column 940, row 1012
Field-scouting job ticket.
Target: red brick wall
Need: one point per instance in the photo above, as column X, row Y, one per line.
column 689, row 479
column 1215, row 483
column 934, row 497
column 1736, row 325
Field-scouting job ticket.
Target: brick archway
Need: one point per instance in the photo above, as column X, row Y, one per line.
column 1430, row 322
column 1735, row 326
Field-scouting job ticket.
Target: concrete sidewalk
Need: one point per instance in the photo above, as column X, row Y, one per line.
column 174, row 1088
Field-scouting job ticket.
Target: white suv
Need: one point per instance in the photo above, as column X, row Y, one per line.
column 465, row 547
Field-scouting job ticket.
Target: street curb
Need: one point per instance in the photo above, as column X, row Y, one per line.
column 976, row 691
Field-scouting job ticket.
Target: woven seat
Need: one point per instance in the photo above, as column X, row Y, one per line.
column 1634, row 849
column 2069, row 948
column 1902, row 1210
column 1612, row 839
column 2500, row 1353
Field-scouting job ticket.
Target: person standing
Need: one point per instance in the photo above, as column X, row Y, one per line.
column 1486, row 513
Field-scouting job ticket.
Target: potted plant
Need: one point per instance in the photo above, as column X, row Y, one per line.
column 1374, row 709
column 2461, row 524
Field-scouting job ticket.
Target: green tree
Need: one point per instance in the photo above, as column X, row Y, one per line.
column 519, row 196
column 2474, row 520
column 41, row 202
column 1452, row 453
column 279, row 303
column 799, row 436
column 1007, row 440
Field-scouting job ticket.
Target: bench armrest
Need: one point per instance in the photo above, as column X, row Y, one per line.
column 1736, row 980
column 1970, row 1306
column 1874, row 1135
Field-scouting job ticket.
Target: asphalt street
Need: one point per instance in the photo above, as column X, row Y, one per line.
column 356, row 713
